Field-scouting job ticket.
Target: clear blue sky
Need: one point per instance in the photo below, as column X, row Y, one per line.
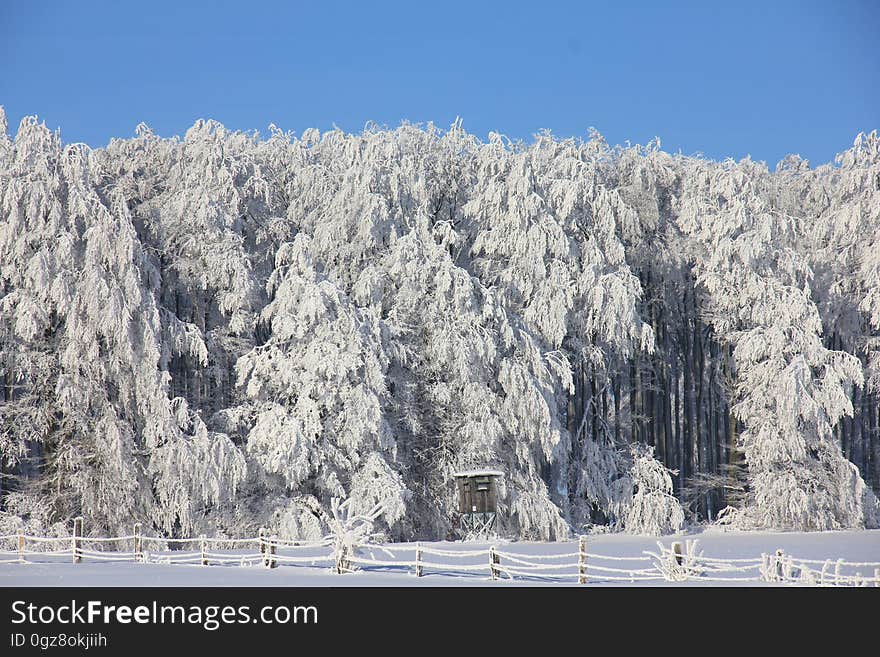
column 722, row 78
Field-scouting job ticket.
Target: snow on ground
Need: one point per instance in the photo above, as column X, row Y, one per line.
column 851, row 546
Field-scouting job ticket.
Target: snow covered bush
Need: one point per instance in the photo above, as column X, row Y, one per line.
column 647, row 505
column 350, row 532
column 29, row 514
column 680, row 561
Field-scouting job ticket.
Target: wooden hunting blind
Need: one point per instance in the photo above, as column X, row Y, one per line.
column 477, row 500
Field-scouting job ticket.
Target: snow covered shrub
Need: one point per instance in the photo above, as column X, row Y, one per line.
column 679, row 566
column 351, row 531
column 649, row 507
column 778, row 567
column 29, row 514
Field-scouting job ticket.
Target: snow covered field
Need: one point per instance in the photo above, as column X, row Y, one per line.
column 850, row 546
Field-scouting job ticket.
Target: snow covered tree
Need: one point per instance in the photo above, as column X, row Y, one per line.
column 790, row 389
column 317, row 389
column 223, row 332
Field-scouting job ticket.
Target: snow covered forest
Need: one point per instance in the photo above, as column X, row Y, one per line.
column 224, row 332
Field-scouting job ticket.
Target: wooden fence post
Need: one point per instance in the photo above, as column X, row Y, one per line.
column 494, row 560
column 77, row 534
column 418, row 559
column 138, row 553
column 340, row 555
column 582, row 560
column 262, row 536
column 779, row 556
column 20, row 546
column 203, row 550
column 676, row 548
column 272, row 544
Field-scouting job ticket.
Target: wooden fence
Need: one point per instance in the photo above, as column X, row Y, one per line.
column 677, row 562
